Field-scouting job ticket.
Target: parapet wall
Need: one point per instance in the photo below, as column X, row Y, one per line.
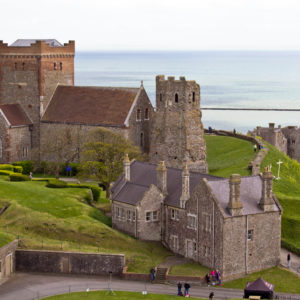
column 38, row 48
column 69, row 262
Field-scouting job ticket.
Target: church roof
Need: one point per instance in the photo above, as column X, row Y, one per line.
column 28, row 42
column 143, row 174
column 88, row 105
column 250, row 193
column 14, row 115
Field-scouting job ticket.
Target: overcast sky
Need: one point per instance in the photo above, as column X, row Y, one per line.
column 156, row 24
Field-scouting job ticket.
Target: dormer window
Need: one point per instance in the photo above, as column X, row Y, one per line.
column 176, row 98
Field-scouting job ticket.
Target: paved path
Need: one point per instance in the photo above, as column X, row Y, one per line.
column 26, row 286
column 295, row 260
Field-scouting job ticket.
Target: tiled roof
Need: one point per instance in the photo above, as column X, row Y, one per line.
column 144, row 174
column 250, row 192
column 28, row 42
column 90, row 105
column 15, row 115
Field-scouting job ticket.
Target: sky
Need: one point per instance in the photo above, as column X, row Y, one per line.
column 156, row 24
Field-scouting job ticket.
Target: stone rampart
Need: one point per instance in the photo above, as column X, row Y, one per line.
column 7, row 260
column 69, row 262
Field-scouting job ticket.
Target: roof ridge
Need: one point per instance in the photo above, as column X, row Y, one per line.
column 99, row 87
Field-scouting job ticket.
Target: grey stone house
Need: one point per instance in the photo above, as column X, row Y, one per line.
column 233, row 225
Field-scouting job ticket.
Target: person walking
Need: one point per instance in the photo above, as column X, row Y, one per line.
column 207, row 279
column 288, row 260
column 186, row 289
column 152, row 274
column 254, row 147
column 211, row 296
column 179, row 286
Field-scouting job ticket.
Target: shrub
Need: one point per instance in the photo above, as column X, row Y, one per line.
column 96, row 192
column 290, row 247
column 6, row 167
column 56, row 183
column 5, row 172
column 18, row 177
column 27, row 165
column 18, row 169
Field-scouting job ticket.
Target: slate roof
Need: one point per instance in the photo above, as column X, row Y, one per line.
column 28, row 42
column 250, row 194
column 15, row 115
column 90, row 105
column 143, row 174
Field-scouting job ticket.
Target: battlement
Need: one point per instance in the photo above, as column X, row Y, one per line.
column 161, row 78
column 38, row 47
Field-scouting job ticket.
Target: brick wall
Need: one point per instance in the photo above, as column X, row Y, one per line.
column 69, row 262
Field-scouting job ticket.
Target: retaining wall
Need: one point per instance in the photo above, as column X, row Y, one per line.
column 69, row 262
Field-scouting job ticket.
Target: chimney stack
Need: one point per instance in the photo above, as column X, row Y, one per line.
column 185, row 194
column 266, row 201
column 126, row 164
column 235, row 205
column 162, row 177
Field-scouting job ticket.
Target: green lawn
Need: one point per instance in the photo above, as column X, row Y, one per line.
column 5, row 239
column 228, row 155
column 118, row 295
column 284, row 281
column 191, row 269
column 60, row 218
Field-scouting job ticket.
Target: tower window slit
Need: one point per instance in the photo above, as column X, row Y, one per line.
column 176, row 98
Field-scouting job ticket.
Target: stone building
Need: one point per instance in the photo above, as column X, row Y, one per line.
column 177, row 133
column 233, row 225
column 37, row 81
column 285, row 139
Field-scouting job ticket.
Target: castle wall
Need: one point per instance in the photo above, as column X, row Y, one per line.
column 4, row 141
column 7, row 260
column 177, row 131
column 292, row 134
column 140, row 128
column 152, row 202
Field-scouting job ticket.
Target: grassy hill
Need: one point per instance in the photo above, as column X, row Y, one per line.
column 60, row 219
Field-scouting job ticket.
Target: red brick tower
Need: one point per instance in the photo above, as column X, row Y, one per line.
column 30, row 70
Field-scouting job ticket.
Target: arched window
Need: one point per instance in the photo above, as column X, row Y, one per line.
column 176, row 98
column 160, row 97
column 142, row 139
column 138, row 115
column 60, row 66
column 54, row 66
column 194, row 97
column 146, row 114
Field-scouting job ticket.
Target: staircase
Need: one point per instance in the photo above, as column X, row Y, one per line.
column 160, row 275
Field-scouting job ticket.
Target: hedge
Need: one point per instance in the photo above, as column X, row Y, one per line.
column 18, row 177
column 96, row 191
column 18, row 169
column 6, row 167
column 290, row 247
column 6, row 172
column 27, row 165
column 56, row 183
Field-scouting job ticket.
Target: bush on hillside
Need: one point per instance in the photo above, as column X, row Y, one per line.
column 6, row 172
column 56, row 183
column 18, row 169
column 27, row 165
column 290, row 247
column 96, row 191
column 6, row 167
column 18, row 177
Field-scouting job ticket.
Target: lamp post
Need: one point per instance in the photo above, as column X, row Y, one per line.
column 278, row 163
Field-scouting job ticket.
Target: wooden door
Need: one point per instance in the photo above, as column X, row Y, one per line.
column 8, row 265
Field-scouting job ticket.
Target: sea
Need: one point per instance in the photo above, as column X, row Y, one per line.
column 234, row 79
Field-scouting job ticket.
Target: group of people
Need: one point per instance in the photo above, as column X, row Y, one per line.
column 186, row 289
column 213, row 278
column 259, row 147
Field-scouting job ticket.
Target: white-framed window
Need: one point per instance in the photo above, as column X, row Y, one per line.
column 133, row 216
column 250, row 235
column 25, row 151
column 174, row 214
column 123, row 213
column 117, row 212
column 192, row 221
column 154, row 215
column 128, row 215
column 174, row 242
column 148, row 216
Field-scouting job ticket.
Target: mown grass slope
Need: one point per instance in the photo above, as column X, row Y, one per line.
column 60, row 219
column 228, row 155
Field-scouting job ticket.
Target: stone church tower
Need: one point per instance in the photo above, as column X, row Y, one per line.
column 177, row 132
column 30, row 71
